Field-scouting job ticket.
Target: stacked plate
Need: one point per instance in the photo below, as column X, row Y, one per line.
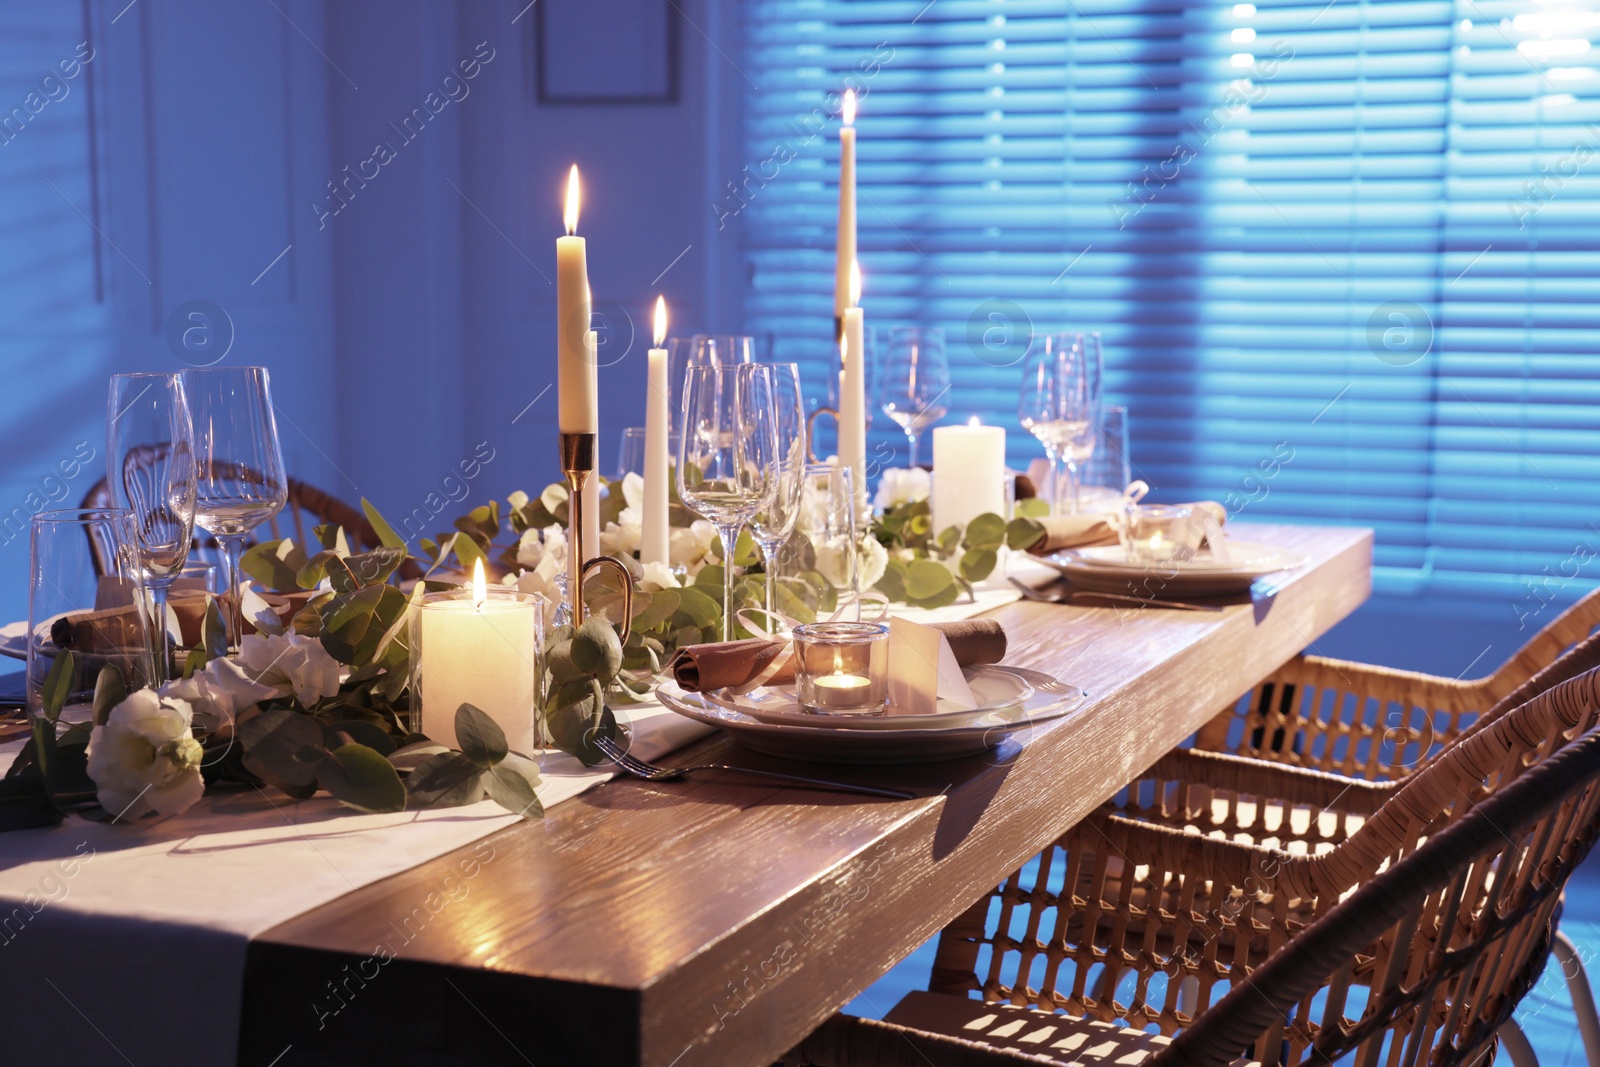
column 1107, row 569
column 770, row 720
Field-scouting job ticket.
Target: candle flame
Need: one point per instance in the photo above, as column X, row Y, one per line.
column 855, row 283
column 849, row 107
column 661, row 320
column 480, row 590
column 1156, row 539
column 570, row 215
column 974, row 422
column 838, row 662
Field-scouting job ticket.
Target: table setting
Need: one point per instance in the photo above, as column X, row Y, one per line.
column 308, row 714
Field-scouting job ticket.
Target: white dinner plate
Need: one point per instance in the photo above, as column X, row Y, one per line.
column 1103, row 573
column 14, row 639
column 1051, row 699
column 997, row 689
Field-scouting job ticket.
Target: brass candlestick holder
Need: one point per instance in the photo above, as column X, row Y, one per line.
column 578, row 464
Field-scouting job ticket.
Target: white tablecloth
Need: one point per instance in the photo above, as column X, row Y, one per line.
column 127, row 943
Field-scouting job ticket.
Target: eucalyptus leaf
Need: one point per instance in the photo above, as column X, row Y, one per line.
column 109, row 691
column 25, row 803
column 698, row 609
column 579, row 713
column 275, row 564
column 596, row 650
column 359, row 731
column 359, row 777
column 480, row 737
column 1023, row 533
column 57, row 685
column 381, row 527
column 978, row 563
column 663, row 603
column 893, row 582
column 948, row 595
column 926, row 579
column 511, row 784
column 467, row 553
column 985, row 531
column 447, row 780
column 282, row 746
column 213, row 633
column 1032, row 508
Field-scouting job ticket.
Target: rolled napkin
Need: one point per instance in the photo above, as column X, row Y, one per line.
column 1083, row 531
column 111, row 629
column 731, row 664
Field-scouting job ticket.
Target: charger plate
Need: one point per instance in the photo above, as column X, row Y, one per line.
column 1050, row 699
column 996, row 689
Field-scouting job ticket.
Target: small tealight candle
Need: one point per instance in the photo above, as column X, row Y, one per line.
column 482, row 646
column 1156, row 534
column 842, row 668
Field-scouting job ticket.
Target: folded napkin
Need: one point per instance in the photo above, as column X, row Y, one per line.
column 110, row 629
column 699, row 668
column 1084, row 531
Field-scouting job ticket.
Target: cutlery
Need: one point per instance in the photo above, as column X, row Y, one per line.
column 653, row 773
column 1072, row 596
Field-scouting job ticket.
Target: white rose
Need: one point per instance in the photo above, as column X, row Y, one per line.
column 541, row 580
column 145, row 759
column 873, row 559
column 902, row 485
column 833, row 561
column 633, row 494
column 291, row 661
column 688, row 547
column 220, row 692
column 530, row 550
column 658, row 575
column 620, row 539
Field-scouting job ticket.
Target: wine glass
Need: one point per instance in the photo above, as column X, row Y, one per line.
column 241, row 481
column 727, row 454
column 150, row 472
column 630, row 452
column 827, row 518
column 1059, row 404
column 772, row 525
column 913, row 379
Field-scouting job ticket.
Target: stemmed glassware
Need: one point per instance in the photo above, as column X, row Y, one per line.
column 913, row 380
column 772, row 525
column 827, row 517
column 728, row 455
column 151, row 472
column 1060, row 404
column 241, row 481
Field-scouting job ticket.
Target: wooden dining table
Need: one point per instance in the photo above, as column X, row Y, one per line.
column 718, row 920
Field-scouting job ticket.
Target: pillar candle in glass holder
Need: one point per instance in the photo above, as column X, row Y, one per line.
column 576, row 395
column 653, row 539
column 969, row 474
column 845, row 244
column 483, row 647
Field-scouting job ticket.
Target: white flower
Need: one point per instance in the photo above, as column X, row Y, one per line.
column 833, row 561
column 873, row 559
column 220, row 692
column 541, row 580
column 291, row 661
column 688, row 547
column 145, row 759
column 529, row 548
column 620, row 539
column 535, row 546
column 633, row 494
column 902, row 485
column 658, row 575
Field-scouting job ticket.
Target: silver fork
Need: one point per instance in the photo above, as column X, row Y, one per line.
column 1030, row 593
column 653, row 773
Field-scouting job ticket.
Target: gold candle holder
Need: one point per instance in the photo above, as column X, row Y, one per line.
column 578, row 465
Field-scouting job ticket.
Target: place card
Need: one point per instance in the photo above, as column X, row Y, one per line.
column 923, row 670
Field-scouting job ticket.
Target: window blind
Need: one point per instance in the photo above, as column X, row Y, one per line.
column 1343, row 255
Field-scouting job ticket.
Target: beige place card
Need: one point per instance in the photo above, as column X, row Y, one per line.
column 923, row 670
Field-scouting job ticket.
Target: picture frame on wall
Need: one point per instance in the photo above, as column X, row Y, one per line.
column 640, row 53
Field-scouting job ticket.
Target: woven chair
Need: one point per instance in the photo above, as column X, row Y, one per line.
column 1423, row 962
column 307, row 507
column 1375, row 722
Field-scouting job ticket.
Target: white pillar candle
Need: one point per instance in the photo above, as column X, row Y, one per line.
column 969, row 474
column 481, row 651
column 657, row 414
column 577, row 397
column 845, row 245
column 591, row 491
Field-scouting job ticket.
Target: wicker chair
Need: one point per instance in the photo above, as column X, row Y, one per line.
column 1375, row 722
column 307, row 506
column 1423, row 962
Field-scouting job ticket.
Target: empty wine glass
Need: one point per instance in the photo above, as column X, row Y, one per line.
column 151, row 471
column 630, row 452
column 772, row 525
column 827, row 518
column 913, row 380
column 727, row 455
column 1059, row 404
column 241, row 481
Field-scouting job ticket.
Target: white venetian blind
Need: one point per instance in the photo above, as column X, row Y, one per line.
column 1345, row 256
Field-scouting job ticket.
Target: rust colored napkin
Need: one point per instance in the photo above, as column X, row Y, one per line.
column 721, row 664
column 116, row 628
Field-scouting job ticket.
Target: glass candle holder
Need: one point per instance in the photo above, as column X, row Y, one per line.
column 1156, row 533
column 842, row 668
column 487, row 652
